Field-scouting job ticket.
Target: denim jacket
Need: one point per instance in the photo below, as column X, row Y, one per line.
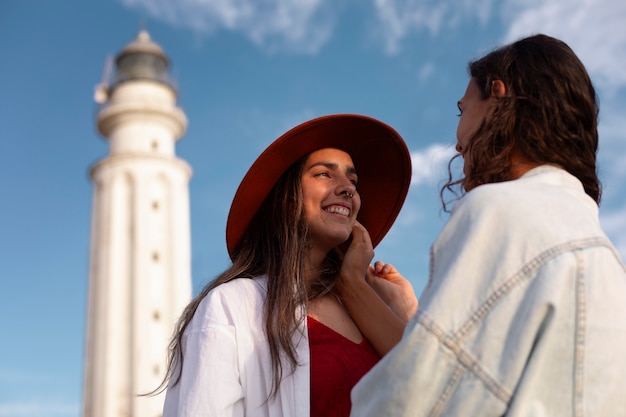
column 524, row 313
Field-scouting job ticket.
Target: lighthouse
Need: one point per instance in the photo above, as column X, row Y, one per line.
column 140, row 273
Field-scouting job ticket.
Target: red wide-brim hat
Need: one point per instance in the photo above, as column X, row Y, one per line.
column 379, row 153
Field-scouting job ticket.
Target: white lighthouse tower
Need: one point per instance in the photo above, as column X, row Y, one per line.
column 140, row 278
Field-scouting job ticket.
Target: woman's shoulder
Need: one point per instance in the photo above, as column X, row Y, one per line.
column 237, row 300
column 510, row 194
column 237, row 291
column 489, row 199
column 541, row 209
column 240, row 286
column 541, row 188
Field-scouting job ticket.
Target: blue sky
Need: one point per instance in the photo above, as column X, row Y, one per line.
column 247, row 70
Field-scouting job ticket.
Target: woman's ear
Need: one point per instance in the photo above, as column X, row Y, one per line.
column 498, row 89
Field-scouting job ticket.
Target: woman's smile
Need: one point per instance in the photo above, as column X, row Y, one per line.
column 331, row 201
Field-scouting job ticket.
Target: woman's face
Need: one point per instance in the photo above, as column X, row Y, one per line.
column 473, row 110
column 331, row 202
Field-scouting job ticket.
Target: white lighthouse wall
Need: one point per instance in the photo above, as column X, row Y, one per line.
column 140, row 272
column 141, row 279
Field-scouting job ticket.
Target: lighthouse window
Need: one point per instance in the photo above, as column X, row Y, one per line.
column 155, row 145
column 155, row 256
column 155, row 205
column 142, row 66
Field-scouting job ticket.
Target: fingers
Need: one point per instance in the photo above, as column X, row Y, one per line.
column 381, row 268
column 360, row 252
column 362, row 236
column 361, row 241
column 360, row 233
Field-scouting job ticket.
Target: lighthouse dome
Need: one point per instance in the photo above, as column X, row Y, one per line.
column 142, row 59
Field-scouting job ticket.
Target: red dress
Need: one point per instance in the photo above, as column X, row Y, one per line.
column 337, row 364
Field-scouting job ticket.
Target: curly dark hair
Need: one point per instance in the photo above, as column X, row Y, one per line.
column 549, row 115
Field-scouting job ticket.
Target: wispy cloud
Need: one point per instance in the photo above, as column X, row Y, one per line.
column 299, row 26
column 400, row 18
column 611, row 161
column 614, row 222
column 426, row 71
column 430, row 164
column 612, row 154
column 594, row 29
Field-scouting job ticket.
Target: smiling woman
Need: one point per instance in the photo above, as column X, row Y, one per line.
column 300, row 316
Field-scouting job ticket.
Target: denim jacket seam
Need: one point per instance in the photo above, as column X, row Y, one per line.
column 455, row 377
column 464, row 359
column 451, row 341
column 524, row 273
column 581, row 325
column 431, row 266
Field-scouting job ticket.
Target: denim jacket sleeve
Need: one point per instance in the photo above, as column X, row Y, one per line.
column 522, row 289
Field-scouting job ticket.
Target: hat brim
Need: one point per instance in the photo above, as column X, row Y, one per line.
column 379, row 154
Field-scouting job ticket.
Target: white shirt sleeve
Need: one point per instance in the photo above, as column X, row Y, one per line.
column 210, row 382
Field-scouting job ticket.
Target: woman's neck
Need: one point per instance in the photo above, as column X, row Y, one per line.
column 520, row 165
column 313, row 265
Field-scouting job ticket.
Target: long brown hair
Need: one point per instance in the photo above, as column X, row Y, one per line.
column 549, row 115
column 275, row 244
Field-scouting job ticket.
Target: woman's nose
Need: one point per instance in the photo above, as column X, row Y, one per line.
column 346, row 187
column 347, row 193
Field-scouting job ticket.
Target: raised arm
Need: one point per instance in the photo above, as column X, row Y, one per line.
column 379, row 299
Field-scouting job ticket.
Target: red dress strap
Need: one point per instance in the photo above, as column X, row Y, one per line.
column 337, row 364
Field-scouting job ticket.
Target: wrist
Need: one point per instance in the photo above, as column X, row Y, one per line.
column 350, row 287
